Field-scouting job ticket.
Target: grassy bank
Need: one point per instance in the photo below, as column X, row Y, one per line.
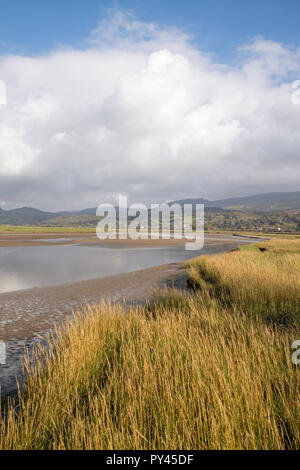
column 205, row 369
column 80, row 229
column 261, row 280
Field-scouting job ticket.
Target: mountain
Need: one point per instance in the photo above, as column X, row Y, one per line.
column 23, row 216
column 269, row 202
column 258, row 203
column 89, row 211
column 28, row 216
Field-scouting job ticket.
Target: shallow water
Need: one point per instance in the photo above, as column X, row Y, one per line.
column 39, row 266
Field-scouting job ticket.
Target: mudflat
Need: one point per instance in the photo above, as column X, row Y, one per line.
column 27, row 316
column 42, row 239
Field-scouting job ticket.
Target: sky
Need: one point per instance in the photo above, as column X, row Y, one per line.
column 157, row 100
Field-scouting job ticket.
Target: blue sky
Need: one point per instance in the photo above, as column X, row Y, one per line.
column 219, row 26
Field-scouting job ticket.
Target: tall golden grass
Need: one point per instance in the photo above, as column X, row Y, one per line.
column 189, row 371
column 261, row 280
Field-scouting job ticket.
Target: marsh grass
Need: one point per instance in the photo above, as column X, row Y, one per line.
column 188, row 371
column 261, row 280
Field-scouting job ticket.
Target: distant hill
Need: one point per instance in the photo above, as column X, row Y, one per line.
column 31, row 216
column 23, row 216
column 28, row 216
column 258, row 203
column 269, row 202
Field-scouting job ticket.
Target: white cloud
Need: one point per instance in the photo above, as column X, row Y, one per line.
column 142, row 112
column 2, row 93
column 16, row 155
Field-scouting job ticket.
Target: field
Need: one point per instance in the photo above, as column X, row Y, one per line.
column 38, row 229
column 24, row 229
column 204, row 368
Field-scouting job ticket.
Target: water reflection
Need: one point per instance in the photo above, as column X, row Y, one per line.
column 37, row 266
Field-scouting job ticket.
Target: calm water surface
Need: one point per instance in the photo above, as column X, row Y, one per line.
column 37, row 266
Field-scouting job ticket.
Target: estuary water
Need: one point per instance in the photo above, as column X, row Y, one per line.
column 39, row 266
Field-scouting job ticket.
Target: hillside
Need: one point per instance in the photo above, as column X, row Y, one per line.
column 29, row 216
column 256, row 212
column 23, row 216
column 269, row 202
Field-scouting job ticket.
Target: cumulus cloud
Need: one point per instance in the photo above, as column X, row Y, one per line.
column 141, row 111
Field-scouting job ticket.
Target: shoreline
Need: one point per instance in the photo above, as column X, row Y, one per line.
column 28, row 316
column 90, row 239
